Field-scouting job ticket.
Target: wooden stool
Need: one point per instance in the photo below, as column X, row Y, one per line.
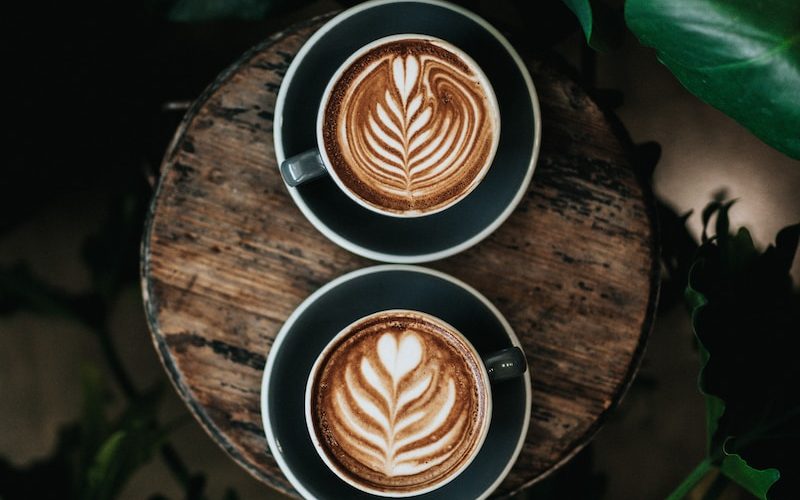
column 227, row 256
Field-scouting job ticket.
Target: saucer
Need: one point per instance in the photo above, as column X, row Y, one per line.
column 430, row 237
column 323, row 314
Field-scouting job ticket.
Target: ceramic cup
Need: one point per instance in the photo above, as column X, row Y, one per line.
column 317, row 162
column 328, row 311
column 494, row 367
column 462, row 225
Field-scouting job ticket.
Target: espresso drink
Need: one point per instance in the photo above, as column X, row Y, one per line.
column 410, row 127
column 399, row 404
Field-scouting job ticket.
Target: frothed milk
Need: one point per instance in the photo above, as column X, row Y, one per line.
column 399, row 403
column 410, row 126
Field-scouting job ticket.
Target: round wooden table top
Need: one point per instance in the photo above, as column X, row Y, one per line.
column 227, row 256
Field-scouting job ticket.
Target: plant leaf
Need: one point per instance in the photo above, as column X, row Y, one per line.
column 741, row 57
column 602, row 26
column 120, row 446
column 734, row 467
column 94, row 424
column 102, row 476
column 119, row 457
column 757, row 482
column 746, row 314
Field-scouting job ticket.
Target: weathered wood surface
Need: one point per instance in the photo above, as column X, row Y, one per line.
column 227, row 256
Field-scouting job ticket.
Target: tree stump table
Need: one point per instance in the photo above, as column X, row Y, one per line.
column 227, row 256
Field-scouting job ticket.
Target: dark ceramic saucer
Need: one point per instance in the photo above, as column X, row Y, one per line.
column 431, row 237
column 322, row 315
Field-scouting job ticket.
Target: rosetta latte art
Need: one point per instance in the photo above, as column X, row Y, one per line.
column 413, row 127
column 399, row 407
column 397, row 446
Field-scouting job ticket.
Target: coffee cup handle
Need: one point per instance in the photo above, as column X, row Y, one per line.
column 302, row 168
column 505, row 364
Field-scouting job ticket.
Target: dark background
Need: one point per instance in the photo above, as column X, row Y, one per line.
column 91, row 93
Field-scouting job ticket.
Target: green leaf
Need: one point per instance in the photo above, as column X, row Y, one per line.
column 734, row 467
column 714, row 405
column 740, row 56
column 746, row 316
column 757, row 482
column 694, row 301
column 94, row 424
column 102, row 476
column 119, row 457
column 602, row 25
column 117, row 448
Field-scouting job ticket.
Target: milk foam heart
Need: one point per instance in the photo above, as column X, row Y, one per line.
column 399, row 403
column 410, row 126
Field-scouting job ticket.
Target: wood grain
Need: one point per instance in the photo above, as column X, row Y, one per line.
column 227, row 256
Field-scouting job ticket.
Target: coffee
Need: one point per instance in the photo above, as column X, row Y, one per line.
column 399, row 403
column 411, row 127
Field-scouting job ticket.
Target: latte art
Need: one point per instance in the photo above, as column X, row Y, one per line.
column 397, row 406
column 396, row 444
column 410, row 127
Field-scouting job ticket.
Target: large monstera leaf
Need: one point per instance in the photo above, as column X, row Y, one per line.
column 746, row 316
column 740, row 56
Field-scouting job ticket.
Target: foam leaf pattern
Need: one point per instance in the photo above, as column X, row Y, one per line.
column 416, row 125
column 409, row 149
column 400, row 415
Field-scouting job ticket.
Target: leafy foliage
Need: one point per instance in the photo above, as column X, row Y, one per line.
column 94, row 457
column 741, row 57
column 601, row 24
column 746, row 314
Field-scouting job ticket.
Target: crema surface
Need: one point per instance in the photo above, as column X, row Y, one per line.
column 409, row 127
column 399, row 403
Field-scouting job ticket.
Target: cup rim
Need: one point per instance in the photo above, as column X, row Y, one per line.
column 318, row 445
column 384, row 256
column 485, row 83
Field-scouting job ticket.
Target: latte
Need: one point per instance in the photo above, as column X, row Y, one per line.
column 410, row 127
column 398, row 404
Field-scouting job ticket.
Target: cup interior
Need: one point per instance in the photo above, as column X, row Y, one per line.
column 474, row 67
column 484, row 383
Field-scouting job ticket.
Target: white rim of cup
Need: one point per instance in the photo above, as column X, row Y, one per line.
column 275, row 446
column 484, row 379
column 388, row 257
column 490, row 96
